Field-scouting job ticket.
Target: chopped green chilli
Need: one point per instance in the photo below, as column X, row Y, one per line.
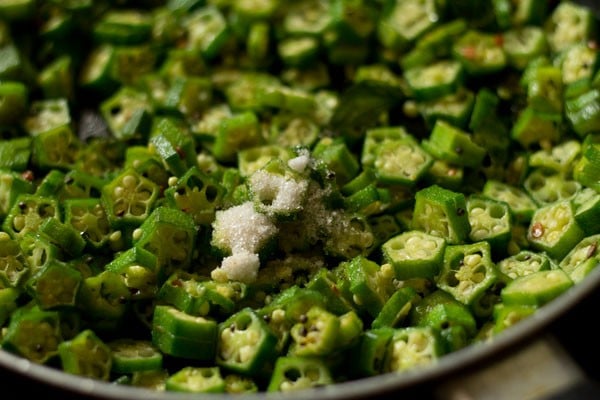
column 253, row 196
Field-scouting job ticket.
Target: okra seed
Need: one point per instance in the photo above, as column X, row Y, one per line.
column 137, row 234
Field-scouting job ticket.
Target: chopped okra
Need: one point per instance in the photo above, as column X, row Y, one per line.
column 267, row 196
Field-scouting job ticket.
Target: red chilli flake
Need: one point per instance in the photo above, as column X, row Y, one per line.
column 28, row 175
column 468, row 52
column 537, row 230
column 591, row 250
column 180, row 152
column 499, row 40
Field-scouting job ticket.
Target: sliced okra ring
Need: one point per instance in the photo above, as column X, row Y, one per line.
column 537, row 288
column 131, row 355
column 196, row 380
column 292, row 373
column 413, row 347
column 86, row 355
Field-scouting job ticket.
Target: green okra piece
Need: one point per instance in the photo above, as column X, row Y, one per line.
column 522, row 206
column 86, row 355
column 28, row 212
column 561, row 20
column 490, row 220
column 537, row 288
column 57, row 79
column 532, row 127
column 506, row 316
column 170, row 234
column 441, row 212
column 298, row 51
column 455, row 108
column 14, row 267
column 129, row 198
column 46, row 115
column 524, row 263
column 134, row 355
column 369, row 283
column 252, row 159
column 131, row 63
column 587, row 210
column 553, row 229
column 174, row 145
column 376, row 137
column 325, row 282
column 402, row 162
column 123, row 27
column 33, row 333
column 582, row 258
column 12, row 184
column 9, row 302
column 196, row 380
column 63, row 235
column 396, row 309
column 547, row 187
column 238, row 132
column 139, row 269
column 88, row 217
column 581, row 112
column 587, row 167
column 183, row 335
column 103, row 297
column 545, row 90
column 452, row 144
column 480, row 52
column 207, row 31
column 15, row 102
column 246, row 345
column 561, row 158
column 151, row 379
column 467, row 271
column 369, row 354
column 293, row 373
column 413, row 347
column 414, row 254
column 400, row 25
column 55, row 148
column 54, row 286
column 427, row 82
column 315, row 334
column 523, row 44
column 128, row 114
column 95, row 75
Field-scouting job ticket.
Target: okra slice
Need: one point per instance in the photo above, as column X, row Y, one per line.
column 441, row 212
column 452, row 144
column 467, row 271
column 9, row 302
column 413, row 347
column 12, row 184
column 553, row 229
column 401, row 162
column 414, row 254
column 63, row 235
column 33, row 333
column 561, row 158
column 196, row 380
column 316, row 333
column 582, row 258
column 139, row 269
column 170, row 234
column 522, row 206
column 480, row 52
column 13, row 264
column 134, row 355
column 238, row 132
column 455, row 108
column 182, row 290
column 545, row 90
column 131, row 63
column 15, row 97
column 396, row 309
column 523, row 44
column 568, row 24
column 547, row 187
column 375, row 137
column 325, row 282
column 403, row 22
column 581, row 112
column 88, row 217
column 370, row 284
column 586, row 170
column 252, row 159
column 490, row 220
column 128, row 114
column 292, row 373
column 129, row 198
column 28, row 212
column 506, row 316
column 537, row 288
column 54, row 286
column 86, row 355
column 524, row 263
column 238, row 384
column 152, row 379
column 368, row 356
column 182, row 335
column 104, row 298
column 55, row 148
column 246, row 344
column 123, row 27
column 174, row 144
column 587, row 210
column 434, row 80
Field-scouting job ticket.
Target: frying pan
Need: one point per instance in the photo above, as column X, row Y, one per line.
column 524, row 362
